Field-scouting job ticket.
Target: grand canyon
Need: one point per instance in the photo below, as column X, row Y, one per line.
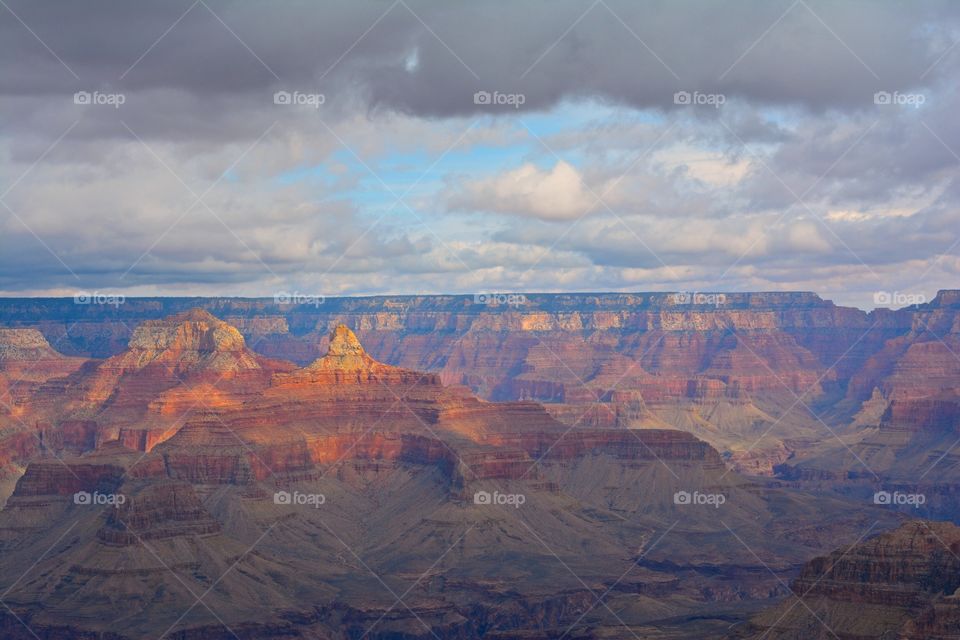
column 459, row 320
column 567, row 465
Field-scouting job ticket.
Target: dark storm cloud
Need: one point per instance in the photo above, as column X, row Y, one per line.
column 635, row 53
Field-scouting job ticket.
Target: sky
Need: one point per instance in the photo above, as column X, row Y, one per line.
column 208, row 147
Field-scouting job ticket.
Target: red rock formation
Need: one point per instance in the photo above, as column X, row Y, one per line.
column 190, row 361
column 26, row 361
column 899, row 584
column 920, row 363
column 61, row 478
column 909, row 391
column 347, row 363
column 689, row 354
column 348, row 405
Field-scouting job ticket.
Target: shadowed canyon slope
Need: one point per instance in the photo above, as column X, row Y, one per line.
column 187, row 485
column 904, row 584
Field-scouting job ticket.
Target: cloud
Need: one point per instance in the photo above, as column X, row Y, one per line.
column 818, row 55
column 558, row 193
column 730, row 197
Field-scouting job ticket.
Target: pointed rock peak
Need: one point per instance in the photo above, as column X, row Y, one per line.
column 345, row 352
column 343, row 342
column 346, row 363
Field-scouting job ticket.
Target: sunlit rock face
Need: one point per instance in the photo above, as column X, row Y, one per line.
column 726, row 367
column 189, row 362
column 753, row 374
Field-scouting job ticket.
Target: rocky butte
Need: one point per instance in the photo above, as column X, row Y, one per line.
column 190, row 487
column 191, row 361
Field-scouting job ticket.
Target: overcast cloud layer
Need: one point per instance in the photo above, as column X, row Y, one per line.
column 479, row 146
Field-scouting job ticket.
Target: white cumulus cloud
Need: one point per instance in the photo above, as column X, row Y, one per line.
column 555, row 194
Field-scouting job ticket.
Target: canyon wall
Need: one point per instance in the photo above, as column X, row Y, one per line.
column 763, row 377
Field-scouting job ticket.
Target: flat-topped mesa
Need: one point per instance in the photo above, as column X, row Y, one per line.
column 346, row 362
column 946, row 298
